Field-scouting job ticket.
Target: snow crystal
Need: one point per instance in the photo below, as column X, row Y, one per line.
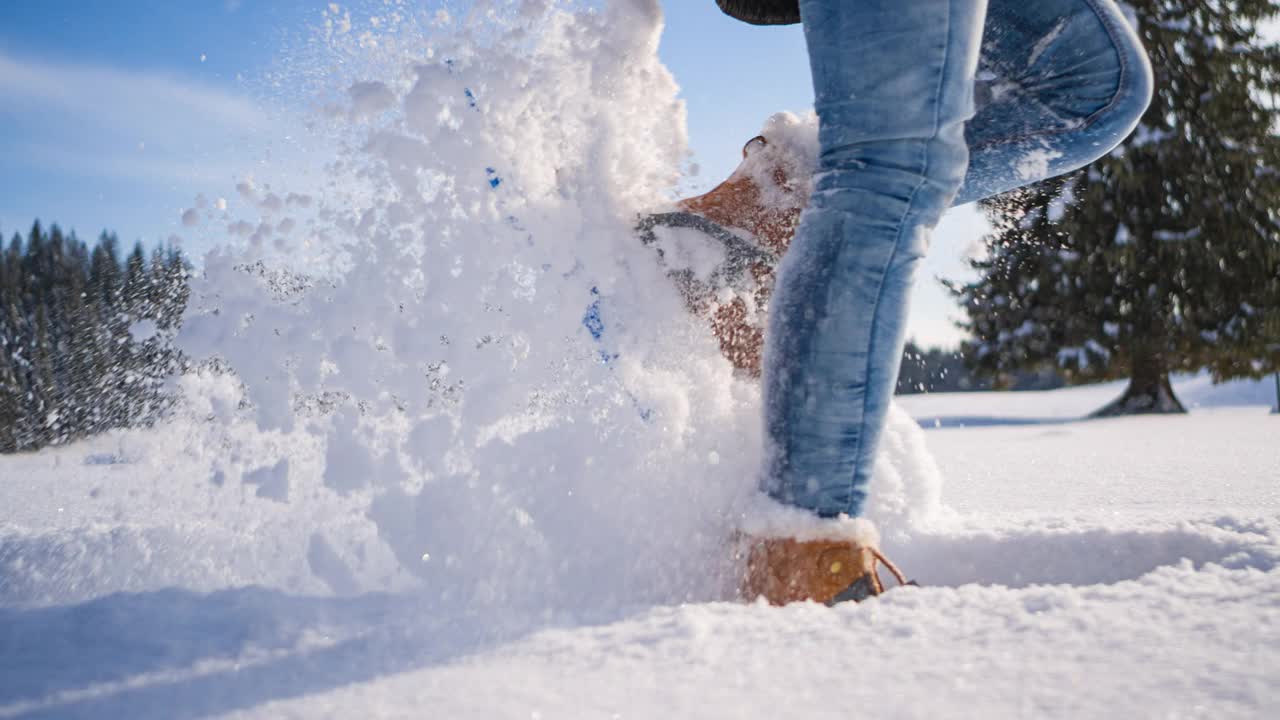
column 240, row 228
column 271, row 203
column 272, row 481
column 1176, row 235
column 1045, row 42
column 368, row 98
column 765, row 518
column 688, row 249
column 1035, row 164
column 143, row 330
column 792, row 147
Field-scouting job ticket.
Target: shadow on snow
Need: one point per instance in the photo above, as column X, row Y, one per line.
column 178, row 654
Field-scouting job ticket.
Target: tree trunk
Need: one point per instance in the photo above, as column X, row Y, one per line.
column 1149, row 391
column 1277, row 408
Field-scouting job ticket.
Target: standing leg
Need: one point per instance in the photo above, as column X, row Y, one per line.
column 893, row 82
column 1060, row 83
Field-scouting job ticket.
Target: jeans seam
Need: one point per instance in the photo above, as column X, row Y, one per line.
column 893, row 255
column 1108, row 25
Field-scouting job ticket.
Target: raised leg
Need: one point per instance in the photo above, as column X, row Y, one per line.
column 1060, row 84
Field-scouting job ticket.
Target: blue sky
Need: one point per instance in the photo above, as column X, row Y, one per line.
column 115, row 114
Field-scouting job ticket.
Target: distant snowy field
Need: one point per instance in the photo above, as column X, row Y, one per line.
column 1114, row 568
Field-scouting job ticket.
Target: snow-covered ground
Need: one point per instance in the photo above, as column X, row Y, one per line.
column 1109, row 568
column 480, row 463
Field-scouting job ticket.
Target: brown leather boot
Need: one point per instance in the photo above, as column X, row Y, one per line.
column 760, row 205
column 758, row 197
column 785, row 570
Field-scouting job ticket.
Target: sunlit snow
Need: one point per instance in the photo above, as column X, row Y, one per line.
column 476, row 461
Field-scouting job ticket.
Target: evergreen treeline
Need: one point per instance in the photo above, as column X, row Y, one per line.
column 83, row 335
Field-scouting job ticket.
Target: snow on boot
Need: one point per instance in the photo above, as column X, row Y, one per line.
column 722, row 248
column 790, row 555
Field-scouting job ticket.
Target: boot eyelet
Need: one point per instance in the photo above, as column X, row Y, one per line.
column 752, row 144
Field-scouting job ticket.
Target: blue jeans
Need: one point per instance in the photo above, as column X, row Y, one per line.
column 922, row 104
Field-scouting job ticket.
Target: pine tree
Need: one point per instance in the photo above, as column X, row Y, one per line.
column 69, row 364
column 1165, row 255
column 104, row 271
column 103, row 308
column 10, row 399
column 10, row 389
column 44, row 389
column 75, row 344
